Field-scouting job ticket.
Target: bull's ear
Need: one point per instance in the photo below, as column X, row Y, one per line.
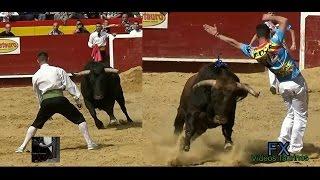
column 241, row 94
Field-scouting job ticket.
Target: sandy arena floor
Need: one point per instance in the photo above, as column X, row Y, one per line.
column 257, row 122
column 120, row 146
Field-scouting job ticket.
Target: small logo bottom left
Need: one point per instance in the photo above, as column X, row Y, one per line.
column 45, row 149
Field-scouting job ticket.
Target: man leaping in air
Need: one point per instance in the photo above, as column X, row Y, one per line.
column 292, row 85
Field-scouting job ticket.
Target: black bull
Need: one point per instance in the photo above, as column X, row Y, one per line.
column 100, row 88
column 209, row 100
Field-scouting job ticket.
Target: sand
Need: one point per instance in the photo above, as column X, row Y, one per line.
column 257, row 122
column 131, row 80
column 120, row 146
column 151, row 143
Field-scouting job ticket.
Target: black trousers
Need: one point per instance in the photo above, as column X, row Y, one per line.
column 59, row 105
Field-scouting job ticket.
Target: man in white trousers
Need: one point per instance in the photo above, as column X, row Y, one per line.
column 274, row 83
column 292, row 86
column 49, row 82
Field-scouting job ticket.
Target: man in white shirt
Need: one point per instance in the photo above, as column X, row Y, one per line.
column 126, row 23
column 99, row 38
column 49, row 82
column 136, row 30
column 6, row 16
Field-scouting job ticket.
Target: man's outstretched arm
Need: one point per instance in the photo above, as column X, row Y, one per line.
column 213, row 31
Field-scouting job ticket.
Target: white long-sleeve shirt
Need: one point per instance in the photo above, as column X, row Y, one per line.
column 136, row 33
column 95, row 39
column 51, row 78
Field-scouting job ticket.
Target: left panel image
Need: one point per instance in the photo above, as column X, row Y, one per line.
column 71, row 88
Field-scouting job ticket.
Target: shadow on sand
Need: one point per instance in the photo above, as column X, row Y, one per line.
column 125, row 125
column 100, row 146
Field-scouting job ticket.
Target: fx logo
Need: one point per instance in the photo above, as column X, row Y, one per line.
column 279, row 147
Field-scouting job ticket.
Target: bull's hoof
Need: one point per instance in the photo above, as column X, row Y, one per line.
column 114, row 122
column 129, row 120
column 186, row 148
column 99, row 125
column 228, row 146
column 123, row 121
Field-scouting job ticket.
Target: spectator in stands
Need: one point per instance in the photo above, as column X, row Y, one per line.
column 27, row 16
column 63, row 16
column 7, row 32
column 60, row 16
column 80, row 28
column 136, row 30
column 106, row 26
column 98, row 39
column 9, row 16
column 136, row 14
column 125, row 22
column 93, row 15
column 42, row 16
column 103, row 15
column 111, row 15
column 55, row 30
column 50, row 15
column 76, row 15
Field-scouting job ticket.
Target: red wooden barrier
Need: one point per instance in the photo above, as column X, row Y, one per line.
column 185, row 36
column 70, row 52
column 127, row 53
column 312, row 40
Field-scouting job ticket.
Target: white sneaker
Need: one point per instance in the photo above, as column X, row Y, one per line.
column 92, row 146
column 20, row 150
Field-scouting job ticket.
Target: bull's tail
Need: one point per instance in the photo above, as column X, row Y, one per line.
column 179, row 121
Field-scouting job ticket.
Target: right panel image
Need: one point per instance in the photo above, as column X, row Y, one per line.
column 231, row 89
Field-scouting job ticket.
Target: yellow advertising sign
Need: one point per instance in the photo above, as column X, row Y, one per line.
column 10, row 45
column 155, row 20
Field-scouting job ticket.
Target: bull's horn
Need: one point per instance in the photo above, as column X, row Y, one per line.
column 205, row 83
column 85, row 72
column 111, row 70
column 248, row 88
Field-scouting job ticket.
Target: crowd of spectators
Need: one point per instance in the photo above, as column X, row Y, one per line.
column 97, row 39
column 129, row 27
column 38, row 16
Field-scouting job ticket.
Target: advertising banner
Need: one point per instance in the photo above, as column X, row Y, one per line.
column 157, row 20
column 9, row 45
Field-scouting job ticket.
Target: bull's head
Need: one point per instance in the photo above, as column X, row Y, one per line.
column 224, row 96
column 96, row 78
